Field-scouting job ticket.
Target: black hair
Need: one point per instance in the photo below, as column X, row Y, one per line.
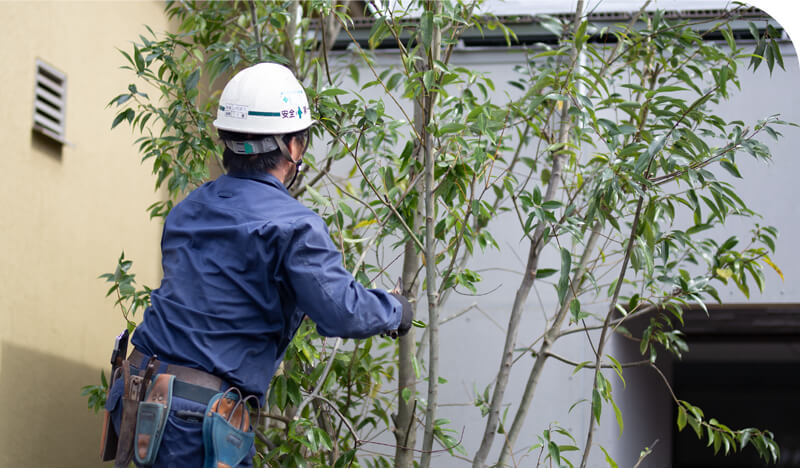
column 257, row 162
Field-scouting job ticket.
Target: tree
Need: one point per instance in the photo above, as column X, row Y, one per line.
column 608, row 156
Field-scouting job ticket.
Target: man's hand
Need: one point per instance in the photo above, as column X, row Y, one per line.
column 408, row 316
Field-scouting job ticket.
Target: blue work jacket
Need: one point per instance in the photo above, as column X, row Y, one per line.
column 243, row 262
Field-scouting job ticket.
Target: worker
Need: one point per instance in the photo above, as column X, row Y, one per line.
column 243, row 263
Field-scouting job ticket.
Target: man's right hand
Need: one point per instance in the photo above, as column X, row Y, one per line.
column 408, row 315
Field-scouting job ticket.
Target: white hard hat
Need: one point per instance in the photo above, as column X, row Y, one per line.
column 263, row 99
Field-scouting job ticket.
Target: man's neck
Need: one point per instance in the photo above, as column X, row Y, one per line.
column 281, row 171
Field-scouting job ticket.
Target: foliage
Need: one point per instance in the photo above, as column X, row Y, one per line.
column 96, row 393
column 551, row 453
column 617, row 162
column 129, row 299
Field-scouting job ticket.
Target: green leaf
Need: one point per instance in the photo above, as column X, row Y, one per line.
column 618, row 414
column 770, row 64
column 730, row 167
column 317, row 197
column 428, row 78
column 193, row 79
column 375, row 34
column 669, row 89
column 754, row 30
column 695, row 424
column 575, row 309
column 139, row 61
column 127, row 114
column 563, row 281
column 609, row 459
column 333, row 92
column 574, row 404
column 757, row 56
column 279, row 391
column 450, row 128
column 597, row 404
column 744, row 438
column 617, row 368
column 323, row 438
column 644, row 158
column 551, row 205
column 681, row 418
column 776, row 52
column 581, row 30
column 728, row 34
column 311, row 440
column 354, row 75
column 544, row 273
column 554, row 452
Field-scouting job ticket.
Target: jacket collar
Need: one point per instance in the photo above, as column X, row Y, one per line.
column 262, row 177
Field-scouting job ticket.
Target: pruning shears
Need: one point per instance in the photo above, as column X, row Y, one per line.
column 398, row 289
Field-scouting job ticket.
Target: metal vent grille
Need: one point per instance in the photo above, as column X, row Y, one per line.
column 50, row 99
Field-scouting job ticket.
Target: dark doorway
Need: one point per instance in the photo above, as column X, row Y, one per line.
column 743, row 369
column 740, row 395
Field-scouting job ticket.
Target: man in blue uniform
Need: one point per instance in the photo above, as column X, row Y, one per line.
column 243, row 263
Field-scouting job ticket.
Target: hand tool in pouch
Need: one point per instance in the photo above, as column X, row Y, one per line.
column 132, row 395
column 151, row 419
column 226, row 439
column 108, row 440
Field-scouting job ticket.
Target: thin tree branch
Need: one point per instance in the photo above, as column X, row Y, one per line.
column 278, row 417
column 339, row 413
column 645, row 453
column 591, row 366
column 256, row 30
column 612, row 307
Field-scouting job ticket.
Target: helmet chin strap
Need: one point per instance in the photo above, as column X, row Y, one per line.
column 286, row 154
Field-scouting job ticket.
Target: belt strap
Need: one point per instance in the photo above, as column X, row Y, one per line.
column 192, row 392
column 189, row 376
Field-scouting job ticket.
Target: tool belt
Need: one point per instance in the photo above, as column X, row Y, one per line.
column 148, row 388
column 146, row 402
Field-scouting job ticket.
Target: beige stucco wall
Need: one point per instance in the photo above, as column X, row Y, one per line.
column 65, row 216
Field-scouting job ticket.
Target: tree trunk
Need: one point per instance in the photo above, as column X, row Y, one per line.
column 435, row 8
column 405, row 431
column 547, row 344
column 524, row 289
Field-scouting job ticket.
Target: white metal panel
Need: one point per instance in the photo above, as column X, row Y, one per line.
column 532, row 7
column 517, row 7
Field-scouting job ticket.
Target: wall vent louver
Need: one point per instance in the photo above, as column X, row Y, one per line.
column 50, row 100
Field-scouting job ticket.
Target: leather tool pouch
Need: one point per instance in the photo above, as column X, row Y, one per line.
column 226, row 440
column 130, row 406
column 151, row 419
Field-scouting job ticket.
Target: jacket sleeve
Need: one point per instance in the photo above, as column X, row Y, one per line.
column 327, row 293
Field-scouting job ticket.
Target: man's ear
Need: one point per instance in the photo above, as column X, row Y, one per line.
column 295, row 148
